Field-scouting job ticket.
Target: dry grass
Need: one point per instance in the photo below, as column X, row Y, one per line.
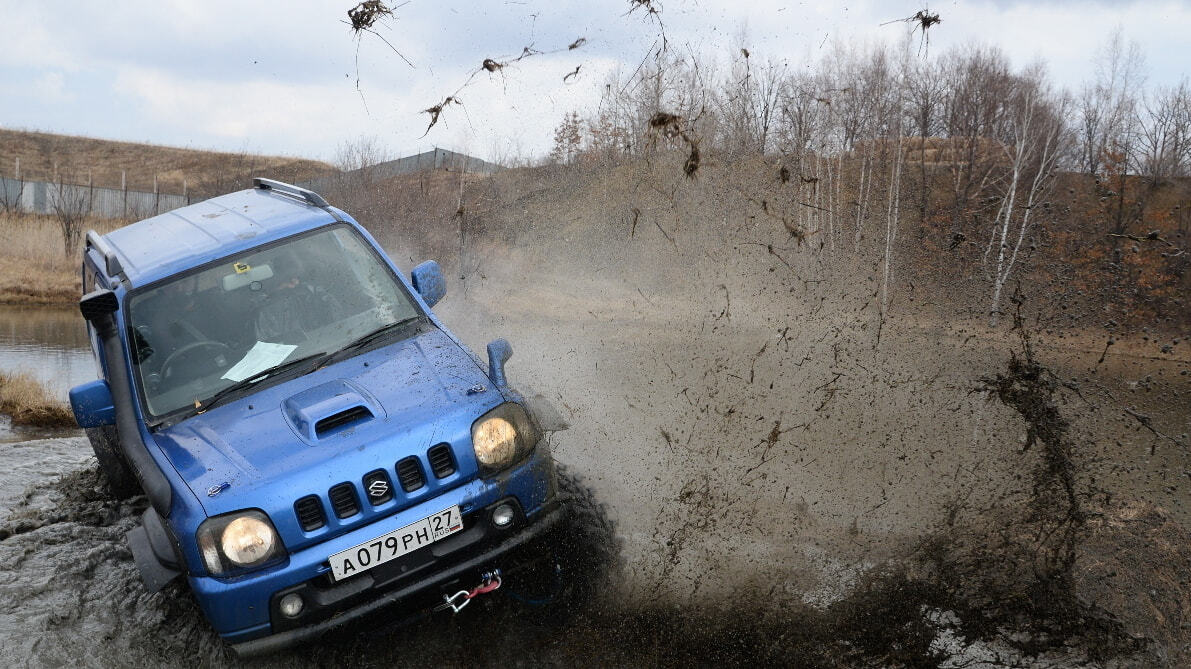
column 33, row 269
column 1134, row 564
column 29, row 403
column 104, row 160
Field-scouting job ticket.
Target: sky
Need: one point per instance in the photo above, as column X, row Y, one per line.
column 290, row 78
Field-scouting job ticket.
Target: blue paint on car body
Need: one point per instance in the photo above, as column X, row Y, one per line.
column 333, row 446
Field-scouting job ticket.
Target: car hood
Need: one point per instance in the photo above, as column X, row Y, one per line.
column 308, row 433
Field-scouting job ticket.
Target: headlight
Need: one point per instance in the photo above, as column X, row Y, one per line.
column 247, row 541
column 503, row 436
column 244, row 539
column 495, row 441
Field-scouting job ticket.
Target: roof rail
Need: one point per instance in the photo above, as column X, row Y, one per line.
column 111, row 262
column 307, row 196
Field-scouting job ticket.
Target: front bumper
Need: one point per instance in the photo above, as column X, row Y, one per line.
column 361, row 597
column 243, row 609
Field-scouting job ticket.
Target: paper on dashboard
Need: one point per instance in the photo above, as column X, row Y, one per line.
column 260, row 357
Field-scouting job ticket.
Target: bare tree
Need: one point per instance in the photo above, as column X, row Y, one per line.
column 748, row 107
column 894, row 118
column 1165, row 133
column 1038, row 137
column 12, row 190
column 237, row 173
column 1107, row 104
column 857, row 86
column 360, row 154
column 665, row 83
column 973, row 120
column 70, row 204
column 924, row 90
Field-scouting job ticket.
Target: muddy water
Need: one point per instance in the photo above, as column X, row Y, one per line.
column 49, row 343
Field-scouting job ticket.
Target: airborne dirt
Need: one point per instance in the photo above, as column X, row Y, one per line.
column 784, row 467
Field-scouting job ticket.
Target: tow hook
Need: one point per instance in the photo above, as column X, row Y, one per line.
column 490, row 581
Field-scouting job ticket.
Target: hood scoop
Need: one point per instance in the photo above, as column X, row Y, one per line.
column 341, row 420
column 328, row 409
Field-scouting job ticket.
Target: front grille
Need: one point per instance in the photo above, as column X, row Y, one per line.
column 378, row 487
column 343, row 500
column 310, row 513
column 442, row 462
column 409, row 472
column 375, row 488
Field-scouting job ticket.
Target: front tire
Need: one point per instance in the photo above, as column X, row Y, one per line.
column 106, row 444
column 582, row 556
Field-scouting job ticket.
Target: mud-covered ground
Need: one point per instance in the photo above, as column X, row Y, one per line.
column 792, row 479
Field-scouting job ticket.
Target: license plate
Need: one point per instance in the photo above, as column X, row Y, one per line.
column 396, row 543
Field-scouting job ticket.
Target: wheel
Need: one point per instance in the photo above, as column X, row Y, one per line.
column 582, row 556
column 188, row 350
column 106, row 444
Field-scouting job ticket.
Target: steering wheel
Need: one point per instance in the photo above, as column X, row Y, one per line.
column 188, row 350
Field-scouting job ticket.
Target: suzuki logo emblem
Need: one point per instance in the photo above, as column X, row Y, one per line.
column 378, row 488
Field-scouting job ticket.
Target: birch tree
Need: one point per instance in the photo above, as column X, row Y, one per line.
column 1038, row 139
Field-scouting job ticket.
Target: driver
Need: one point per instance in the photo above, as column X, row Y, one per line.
column 293, row 307
column 169, row 322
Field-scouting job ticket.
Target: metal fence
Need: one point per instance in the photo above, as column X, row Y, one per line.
column 40, row 197
column 436, row 159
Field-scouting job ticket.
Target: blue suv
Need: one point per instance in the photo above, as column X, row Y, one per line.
column 314, row 444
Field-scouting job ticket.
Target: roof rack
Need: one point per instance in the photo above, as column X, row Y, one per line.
column 307, row 196
column 111, row 262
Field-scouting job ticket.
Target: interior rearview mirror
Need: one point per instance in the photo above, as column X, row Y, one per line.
column 245, row 275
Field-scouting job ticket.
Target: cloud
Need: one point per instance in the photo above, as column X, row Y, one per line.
column 221, row 74
column 51, row 87
column 260, row 111
column 28, row 41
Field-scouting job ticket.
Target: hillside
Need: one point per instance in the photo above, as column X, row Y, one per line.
column 105, row 160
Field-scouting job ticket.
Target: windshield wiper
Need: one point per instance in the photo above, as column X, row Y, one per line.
column 214, row 400
column 314, row 361
column 365, row 339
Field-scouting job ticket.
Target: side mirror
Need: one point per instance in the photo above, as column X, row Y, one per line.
column 92, row 404
column 499, row 352
column 429, row 281
column 98, row 303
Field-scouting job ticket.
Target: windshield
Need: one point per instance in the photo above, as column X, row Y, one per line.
column 206, row 330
